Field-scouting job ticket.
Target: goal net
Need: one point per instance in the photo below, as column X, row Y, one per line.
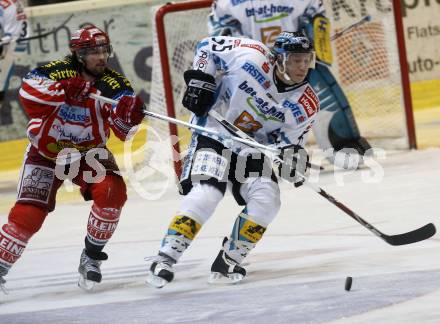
column 366, row 64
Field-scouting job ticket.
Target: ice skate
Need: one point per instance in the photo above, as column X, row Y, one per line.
column 225, row 270
column 2, row 286
column 3, row 273
column 161, row 272
column 89, row 270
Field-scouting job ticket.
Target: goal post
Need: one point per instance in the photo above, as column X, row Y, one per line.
column 370, row 64
column 404, row 73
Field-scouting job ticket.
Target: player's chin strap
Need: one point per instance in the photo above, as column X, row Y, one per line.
column 282, row 67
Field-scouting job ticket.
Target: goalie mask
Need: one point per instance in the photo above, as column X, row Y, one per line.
column 295, row 54
column 90, row 40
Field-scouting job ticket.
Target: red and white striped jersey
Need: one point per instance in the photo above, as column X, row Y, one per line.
column 54, row 124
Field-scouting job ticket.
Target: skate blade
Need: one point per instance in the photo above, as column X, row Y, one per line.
column 217, row 278
column 4, row 289
column 155, row 281
column 85, row 284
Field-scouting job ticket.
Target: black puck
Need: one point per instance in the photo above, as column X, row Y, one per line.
column 348, row 282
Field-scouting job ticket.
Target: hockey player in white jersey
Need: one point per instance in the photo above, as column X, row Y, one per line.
column 264, row 93
column 13, row 25
column 262, row 20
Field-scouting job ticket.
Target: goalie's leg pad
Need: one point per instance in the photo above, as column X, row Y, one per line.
column 335, row 126
column 24, row 221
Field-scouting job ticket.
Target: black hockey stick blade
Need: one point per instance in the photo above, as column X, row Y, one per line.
column 414, row 236
column 417, row 235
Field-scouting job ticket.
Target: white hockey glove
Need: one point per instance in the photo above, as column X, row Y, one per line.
column 4, row 46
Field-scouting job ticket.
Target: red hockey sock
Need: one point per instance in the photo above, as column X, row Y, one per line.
column 24, row 221
column 102, row 224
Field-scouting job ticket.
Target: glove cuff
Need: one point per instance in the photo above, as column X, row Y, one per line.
column 198, row 75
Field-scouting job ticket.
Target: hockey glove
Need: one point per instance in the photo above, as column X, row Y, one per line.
column 128, row 113
column 4, row 46
column 199, row 94
column 295, row 160
column 3, row 50
column 76, row 90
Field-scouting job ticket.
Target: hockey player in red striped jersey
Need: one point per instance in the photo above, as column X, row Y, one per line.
column 70, row 129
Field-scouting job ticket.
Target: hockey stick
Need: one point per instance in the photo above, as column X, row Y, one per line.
column 416, row 235
column 203, row 130
column 349, row 28
column 53, row 31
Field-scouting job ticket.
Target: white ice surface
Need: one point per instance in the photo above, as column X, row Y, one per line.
column 295, row 275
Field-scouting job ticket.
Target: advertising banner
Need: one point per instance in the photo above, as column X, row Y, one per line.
column 128, row 24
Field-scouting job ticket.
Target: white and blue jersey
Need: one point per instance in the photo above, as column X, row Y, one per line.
column 258, row 19
column 249, row 95
column 13, row 25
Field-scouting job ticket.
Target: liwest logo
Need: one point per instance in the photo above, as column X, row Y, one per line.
column 268, row 13
column 256, row 74
column 260, row 106
column 297, row 113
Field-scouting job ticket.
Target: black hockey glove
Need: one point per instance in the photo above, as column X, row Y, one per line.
column 295, row 159
column 199, row 94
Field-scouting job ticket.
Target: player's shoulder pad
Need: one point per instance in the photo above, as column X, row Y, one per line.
column 58, row 70
column 231, row 3
column 254, row 48
column 112, row 83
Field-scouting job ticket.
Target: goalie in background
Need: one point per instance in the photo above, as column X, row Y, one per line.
column 13, row 26
column 63, row 116
column 263, row 92
column 335, row 128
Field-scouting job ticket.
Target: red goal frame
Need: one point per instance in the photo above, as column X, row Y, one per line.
column 198, row 4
